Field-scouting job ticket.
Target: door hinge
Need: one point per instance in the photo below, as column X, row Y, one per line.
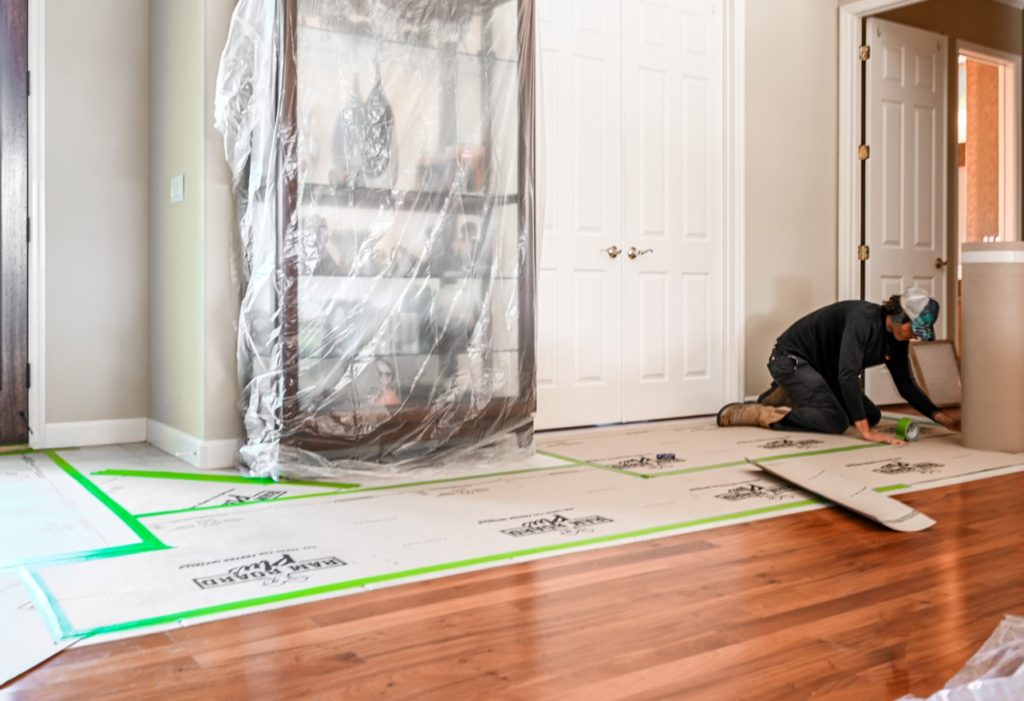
column 864, row 152
column 28, row 375
column 863, row 252
column 28, row 82
column 864, row 52
column 28, row 229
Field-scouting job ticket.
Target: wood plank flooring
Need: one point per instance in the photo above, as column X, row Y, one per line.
column 821, row 605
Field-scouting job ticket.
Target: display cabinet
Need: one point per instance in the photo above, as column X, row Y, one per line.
column 387, row 215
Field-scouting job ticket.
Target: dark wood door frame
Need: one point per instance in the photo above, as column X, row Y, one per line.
column 14, row 225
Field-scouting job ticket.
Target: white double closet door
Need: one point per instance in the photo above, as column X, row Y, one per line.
column 632, row 154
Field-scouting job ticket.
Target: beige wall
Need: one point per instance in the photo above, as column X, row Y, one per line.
column 176, row 231
column 792, row 136
column 97, row 209
column 222, row 293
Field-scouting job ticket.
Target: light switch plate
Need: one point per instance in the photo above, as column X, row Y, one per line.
column 177, row 189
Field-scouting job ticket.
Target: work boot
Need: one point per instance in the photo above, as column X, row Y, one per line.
column 775, row 396
column 750, row 414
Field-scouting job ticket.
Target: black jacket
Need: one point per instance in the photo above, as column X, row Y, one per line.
column 841, row 340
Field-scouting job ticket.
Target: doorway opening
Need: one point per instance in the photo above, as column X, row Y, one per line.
column 989, row 149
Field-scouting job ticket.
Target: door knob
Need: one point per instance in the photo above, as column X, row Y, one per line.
column 634, row 252
column 613, row 251
column 940, row 264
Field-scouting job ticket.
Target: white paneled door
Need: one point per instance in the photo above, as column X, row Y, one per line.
column 579, row 283
column 631, row 282
column 672, row 156
column 905, row 186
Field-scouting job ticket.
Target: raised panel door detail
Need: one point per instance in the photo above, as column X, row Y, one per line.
column 589, row 85
column 891, row 155
column 926, row 180
column 653, row 132
column 695, row 148
column 653, row 339
column 697, row 331
column 588, row 322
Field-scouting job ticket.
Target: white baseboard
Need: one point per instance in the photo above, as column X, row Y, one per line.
column 206, row 455
column 76, row 434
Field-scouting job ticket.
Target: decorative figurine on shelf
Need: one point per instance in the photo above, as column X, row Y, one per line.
column 380, row 163
column 347, row 142
column 388, row 392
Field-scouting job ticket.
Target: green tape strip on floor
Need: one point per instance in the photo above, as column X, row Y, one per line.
column 207, row 477
column 596, row 466
column 128, row 519
column 193, row 509
column 68, row 631
column 147, row 541
column 715, row 466
column 358, row 490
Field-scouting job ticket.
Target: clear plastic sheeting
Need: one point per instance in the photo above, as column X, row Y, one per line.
column 382, row 153
column 995, row 673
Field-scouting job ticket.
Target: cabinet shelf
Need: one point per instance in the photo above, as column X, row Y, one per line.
column 323, row 195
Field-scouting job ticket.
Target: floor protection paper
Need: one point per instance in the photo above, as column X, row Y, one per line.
column 26, row 641
column 269, row 553
column 51, row 511
column 679, row 447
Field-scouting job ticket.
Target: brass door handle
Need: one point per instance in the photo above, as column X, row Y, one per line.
column 613, row 251
column 634, row 252
column 940, row 264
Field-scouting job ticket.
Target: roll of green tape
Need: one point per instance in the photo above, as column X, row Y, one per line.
column 907, row 430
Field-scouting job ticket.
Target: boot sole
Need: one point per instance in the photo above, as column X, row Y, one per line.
column 718, row 418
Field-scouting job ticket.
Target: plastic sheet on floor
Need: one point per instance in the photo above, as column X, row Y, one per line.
column 994, row 673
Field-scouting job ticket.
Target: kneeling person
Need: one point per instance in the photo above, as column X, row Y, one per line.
column 817, row 363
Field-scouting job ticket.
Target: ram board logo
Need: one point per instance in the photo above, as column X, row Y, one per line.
column 559, row 524
column 899, row 467
column 789, row 443
column 753, row 491
column 271, row 573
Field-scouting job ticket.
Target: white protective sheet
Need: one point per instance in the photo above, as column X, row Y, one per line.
column 26, row 642
column 45, row 513
column 853, row 495
column 369, row 537
column 315, row 546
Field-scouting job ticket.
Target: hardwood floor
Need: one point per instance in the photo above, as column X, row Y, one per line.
column 821, row 605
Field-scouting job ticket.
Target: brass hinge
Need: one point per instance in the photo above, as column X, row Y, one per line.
column 864, row 152
column 864, row 52
column 863, row 252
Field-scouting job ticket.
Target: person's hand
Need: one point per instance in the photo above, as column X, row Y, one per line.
column 878, row 437
column 947, row 420
column 869, row 434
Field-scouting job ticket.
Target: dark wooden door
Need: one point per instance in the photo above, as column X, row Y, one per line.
column 14, row 221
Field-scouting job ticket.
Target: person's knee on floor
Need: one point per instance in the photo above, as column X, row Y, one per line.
column 835, row 422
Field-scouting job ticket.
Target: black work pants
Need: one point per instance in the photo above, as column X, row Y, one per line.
column 816, row 407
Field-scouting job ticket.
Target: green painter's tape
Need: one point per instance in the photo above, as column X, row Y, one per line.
column 44, row 604
column 810, row 453
column 597, row 466
column 128, row 519
column 148, row 542
column 68, row 631
column 346, row 492
column 194, row 509
column 84, row 555
column 207, row 477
